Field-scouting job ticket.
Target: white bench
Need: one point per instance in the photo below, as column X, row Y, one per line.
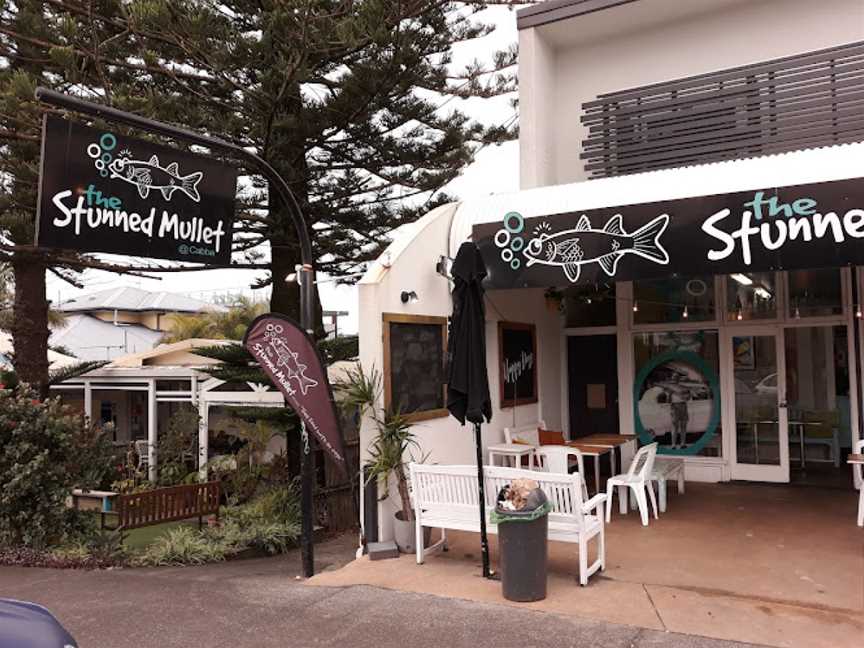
column 445, row 497
column 667, row 468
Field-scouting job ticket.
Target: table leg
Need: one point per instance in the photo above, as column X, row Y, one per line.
column 756, row 440
column 596, row 474
column 803, row 454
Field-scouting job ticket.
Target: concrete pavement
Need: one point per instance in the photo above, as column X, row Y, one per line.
column 260, row 604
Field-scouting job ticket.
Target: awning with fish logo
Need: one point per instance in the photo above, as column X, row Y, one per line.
column 290, row 359
column 105, row 192
column 803, row 209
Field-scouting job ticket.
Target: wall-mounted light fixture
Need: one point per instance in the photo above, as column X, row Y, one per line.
column 444, row 267
column 409, row 297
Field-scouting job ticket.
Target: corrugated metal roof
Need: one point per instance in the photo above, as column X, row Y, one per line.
column 89, row 338
column 128, row 298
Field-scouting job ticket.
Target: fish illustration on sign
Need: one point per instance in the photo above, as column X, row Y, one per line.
column 574, row 248
column 295, row 370
column 151, row 175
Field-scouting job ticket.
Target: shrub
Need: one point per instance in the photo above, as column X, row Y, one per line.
column 269, row 524
column 36, row 444
column 183, row 545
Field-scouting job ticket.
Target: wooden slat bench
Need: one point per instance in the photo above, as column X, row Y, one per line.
column 136, row 510
column 445, row 497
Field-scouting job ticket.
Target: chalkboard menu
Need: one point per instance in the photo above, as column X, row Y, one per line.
column 414, row 356
column 517, row 353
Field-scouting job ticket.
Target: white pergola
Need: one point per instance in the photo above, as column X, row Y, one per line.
column 200, row 394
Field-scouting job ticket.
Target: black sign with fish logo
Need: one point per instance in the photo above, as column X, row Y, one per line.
column 819, row 225
column 101, row 191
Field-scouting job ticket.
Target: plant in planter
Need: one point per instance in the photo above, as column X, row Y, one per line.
column 554, row 300
column 389, row 452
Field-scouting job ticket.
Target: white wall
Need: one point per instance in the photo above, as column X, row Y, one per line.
column 411, row 259
column 562, row 75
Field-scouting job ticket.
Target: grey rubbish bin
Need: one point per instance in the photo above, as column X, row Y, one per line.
column 522, row 548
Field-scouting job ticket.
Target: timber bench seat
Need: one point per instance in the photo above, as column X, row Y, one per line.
column 172, row 504
column 445, row 497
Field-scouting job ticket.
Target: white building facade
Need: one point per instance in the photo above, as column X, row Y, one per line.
column 748, row 371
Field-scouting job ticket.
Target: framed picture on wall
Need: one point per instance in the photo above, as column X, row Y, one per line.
column 517, row 360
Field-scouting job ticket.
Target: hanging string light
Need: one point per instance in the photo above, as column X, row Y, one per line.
column 635, row 306
column 685, row 315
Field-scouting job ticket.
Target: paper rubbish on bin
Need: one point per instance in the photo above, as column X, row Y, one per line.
column 521, row 501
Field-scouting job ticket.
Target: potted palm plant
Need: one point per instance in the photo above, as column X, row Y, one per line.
column 389, row 452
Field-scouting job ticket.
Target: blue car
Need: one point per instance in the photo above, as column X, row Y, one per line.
column 27, row 625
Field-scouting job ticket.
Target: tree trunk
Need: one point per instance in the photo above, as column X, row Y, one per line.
column 402, row 484
column 30, row 322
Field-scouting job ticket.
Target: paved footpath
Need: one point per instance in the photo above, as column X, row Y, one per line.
column 260, row 604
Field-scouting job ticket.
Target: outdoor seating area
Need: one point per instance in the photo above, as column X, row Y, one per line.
column 778, row 565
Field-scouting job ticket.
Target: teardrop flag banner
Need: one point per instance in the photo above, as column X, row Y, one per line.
column 290, row 358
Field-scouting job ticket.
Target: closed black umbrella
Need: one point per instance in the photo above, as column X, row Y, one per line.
column 468, row 382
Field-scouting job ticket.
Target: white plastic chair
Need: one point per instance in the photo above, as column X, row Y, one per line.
column 637, row 480
column 142, row 449
column 858, row 470
column 556, row 459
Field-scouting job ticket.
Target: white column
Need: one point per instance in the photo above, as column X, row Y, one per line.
column 203, row 437
column 152, row 430
column 194, row 388
column 88, row 401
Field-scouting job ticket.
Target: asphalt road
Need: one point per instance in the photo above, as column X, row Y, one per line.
column 260, row 604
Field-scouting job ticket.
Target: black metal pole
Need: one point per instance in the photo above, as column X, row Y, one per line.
column 484, row 540
column 306, row 273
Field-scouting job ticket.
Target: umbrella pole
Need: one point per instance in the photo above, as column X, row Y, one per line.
column 484, row 540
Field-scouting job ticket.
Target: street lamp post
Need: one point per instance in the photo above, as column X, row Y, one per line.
column 305, row 272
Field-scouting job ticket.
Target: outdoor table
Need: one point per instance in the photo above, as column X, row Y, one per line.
column 793, row 425
column 595, row 452
column 612, row 441
column 514, row 450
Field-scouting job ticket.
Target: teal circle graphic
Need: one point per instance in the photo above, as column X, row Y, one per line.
column 520, row 241
column 698, row 363
column 520, row 222
column 104, row 173
column 515, row 263
column 106, row 158
column 108, row 137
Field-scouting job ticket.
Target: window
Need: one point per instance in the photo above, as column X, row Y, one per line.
column 678, row 391
column 673, row 300
column 751, row 296
column 814, row 293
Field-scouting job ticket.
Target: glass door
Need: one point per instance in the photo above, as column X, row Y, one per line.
column 756, row 410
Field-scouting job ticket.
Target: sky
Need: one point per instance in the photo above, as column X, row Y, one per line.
column 495, row 170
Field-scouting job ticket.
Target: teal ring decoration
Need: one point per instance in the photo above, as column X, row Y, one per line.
column 106, row 158
column 698, row 363
column 515, row 263
column 519, row 220
column 520, row 241
column 104, row 139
